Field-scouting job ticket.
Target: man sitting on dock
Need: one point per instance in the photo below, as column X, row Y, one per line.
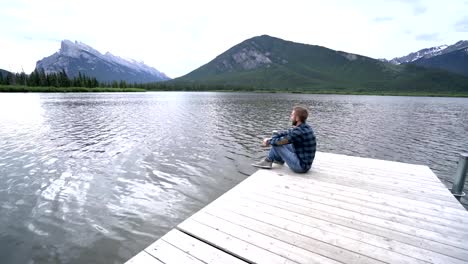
column 296, row 146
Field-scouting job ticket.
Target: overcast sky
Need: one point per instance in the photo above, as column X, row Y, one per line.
column 176, row 36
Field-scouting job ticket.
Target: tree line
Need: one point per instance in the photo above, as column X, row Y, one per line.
column 39, row 78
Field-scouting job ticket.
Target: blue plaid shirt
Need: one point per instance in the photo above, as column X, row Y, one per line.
column 303, row 139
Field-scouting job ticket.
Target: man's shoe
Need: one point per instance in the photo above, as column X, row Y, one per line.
column 264, row 164
column 278, row 162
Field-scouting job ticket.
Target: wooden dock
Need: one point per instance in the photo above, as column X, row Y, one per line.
column 345, row 210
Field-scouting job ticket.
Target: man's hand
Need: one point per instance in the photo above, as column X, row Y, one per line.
column 265, row 142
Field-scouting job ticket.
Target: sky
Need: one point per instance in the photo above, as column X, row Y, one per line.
column 178, row 36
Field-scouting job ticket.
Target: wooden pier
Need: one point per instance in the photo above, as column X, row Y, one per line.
column 345, row 210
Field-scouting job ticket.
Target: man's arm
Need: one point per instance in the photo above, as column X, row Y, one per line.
column 291, row 136
column 278, row 141
column 281, row 133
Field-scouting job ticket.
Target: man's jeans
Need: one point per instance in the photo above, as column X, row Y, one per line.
column 286, row 153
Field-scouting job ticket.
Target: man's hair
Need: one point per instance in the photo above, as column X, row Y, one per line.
column 301, row 113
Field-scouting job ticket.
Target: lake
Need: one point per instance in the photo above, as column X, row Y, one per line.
column 95, row 178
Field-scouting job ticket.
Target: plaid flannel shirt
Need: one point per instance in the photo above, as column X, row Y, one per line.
column 303, row 139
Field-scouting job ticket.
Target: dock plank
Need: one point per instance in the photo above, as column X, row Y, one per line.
column 143, row 258
column 269, row 241
column 232, row 244
column 382, row 200
column 308, row 208
column 370, row 228
column 410, row 218
column 199, row 249
column 169, row 254
column 329, row 244
column 345, row 210
column 309, row 226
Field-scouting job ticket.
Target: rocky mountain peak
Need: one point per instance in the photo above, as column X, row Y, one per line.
column 251, row 58
column 73, row 49
column 430, row 52
column 248, row 55
column 77, row 57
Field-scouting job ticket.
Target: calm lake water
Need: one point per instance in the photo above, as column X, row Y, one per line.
column 95, row 178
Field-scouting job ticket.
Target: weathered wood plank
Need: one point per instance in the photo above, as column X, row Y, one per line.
column 345, row 210
column 238, row 246
column 389, row 206
column 385, row 232
column 143, row 258
column 169, row 254
column 369, row 163
column 408, row 218
column 417, row 187
column 423, row 207
column 319, row 240
column 312, row 227
column 379, row 174
column 420, row 195
column 405, row 217
column 199, row 249
column 417, row 173
column 274, row 241
column 310, row 208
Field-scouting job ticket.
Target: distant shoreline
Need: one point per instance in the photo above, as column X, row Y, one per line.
column 26, row 89
column 376, row 93
column 39, row 89
column 419, row 94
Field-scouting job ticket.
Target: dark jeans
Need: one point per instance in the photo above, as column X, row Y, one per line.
column 287, row 154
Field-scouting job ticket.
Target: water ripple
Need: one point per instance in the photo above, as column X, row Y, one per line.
column 97, row 177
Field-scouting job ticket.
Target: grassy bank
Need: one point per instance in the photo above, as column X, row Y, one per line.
column 27, row 89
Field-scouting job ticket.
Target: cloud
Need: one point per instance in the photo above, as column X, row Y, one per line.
column 419, row 9
column 416, row 5
column 382, row 19
column 462, row 25
column 179, row 36
column 428, row 37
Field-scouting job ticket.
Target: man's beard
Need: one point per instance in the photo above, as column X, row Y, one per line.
column 294, row 122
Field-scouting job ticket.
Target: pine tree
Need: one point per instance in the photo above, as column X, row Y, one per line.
column 23, row 78
column 94, row 82
column 42, row 78
column 10, row 79
column 63, row 79
column 33, row 78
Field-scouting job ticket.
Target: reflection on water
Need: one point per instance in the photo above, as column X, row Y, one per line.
column 97, row 177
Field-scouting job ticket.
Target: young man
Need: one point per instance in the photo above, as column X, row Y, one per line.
column 295, row 146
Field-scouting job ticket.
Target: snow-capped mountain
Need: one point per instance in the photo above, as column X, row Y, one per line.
column 430, row 52
column 453, row 58
column 424, row 53
column 77, row 57
column 455, row 61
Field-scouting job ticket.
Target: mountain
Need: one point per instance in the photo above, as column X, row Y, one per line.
column 4, row 73
column 266, row 62
column 78, row 57
column 455, row 61
column 430, row 52
column 424, row 53
column 453, row 58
